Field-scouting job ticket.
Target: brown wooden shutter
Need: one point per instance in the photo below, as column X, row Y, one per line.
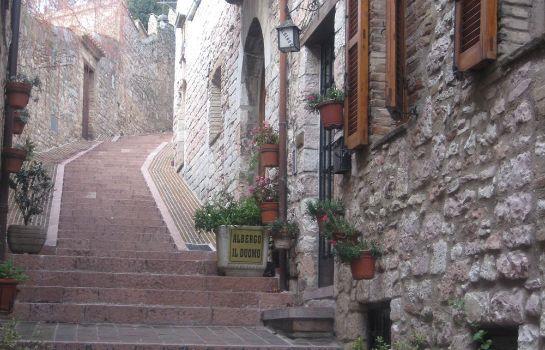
column 476, row 33
column 357, row 74
column 396, row 95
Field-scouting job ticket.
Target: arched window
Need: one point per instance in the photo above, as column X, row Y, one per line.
column 215, row 113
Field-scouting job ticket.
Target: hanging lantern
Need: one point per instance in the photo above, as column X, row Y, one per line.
column 288, row 37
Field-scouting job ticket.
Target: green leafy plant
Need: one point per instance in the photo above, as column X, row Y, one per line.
column 23, row 78
column 28, row 146
column 265, row 134
column 142, row 9
column 9, row 271
column 348, row 251
column 8, row 335
column 283, row 229
column 457, row 304
column 223, row 209
column 325, row 208
column 481, row 339
column 32, row 186
column 24, row 115
column 339, row 228
column 381, row 344
column 332, row 94
column 358, row 344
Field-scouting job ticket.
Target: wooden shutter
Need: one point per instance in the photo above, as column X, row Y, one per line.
column 357, row 74
column 396, row 92
column 476, row 33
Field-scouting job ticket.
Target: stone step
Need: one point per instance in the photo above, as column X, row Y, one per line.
column 301, row 322
column 117, row 265
column 94, row 244
column 123, row 220
column 150, row 281
column 115, row 229
column 100, row 336
column 141, row 314
column 164, row 297
column 122, row 236
column 131, row 254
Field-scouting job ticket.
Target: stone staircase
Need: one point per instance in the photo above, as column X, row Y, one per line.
column 116, row 264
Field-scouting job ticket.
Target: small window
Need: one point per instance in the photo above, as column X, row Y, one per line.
column 396, row 87
column 504, row 338
column 215, row 113
column 378, row 324
column 476, row 33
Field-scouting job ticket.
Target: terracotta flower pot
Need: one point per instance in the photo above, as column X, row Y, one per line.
column 331, row 114
column 8, row 291
column 363, row 268
column 26, row 239
column 18, row 124
column 18, row 94
column 269, row 212
column 13, row 159
column 269, row 155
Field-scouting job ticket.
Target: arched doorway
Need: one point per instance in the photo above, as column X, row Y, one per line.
column 253, row 96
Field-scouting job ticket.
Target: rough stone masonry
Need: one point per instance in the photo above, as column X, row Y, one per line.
column 130, row 86
column 456, row 198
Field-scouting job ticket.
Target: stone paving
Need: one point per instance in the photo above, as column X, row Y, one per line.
column 104, row 335
column 178, row 198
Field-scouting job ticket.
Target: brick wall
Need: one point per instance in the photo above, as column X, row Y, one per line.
column 132, row 88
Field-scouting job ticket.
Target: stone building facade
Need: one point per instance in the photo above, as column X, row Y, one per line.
column 102, row 73
column 454, row 195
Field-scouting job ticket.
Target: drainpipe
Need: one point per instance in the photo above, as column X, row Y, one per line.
column 8, row 124
column 282, row 131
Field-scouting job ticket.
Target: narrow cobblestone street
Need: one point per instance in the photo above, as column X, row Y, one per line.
column 117, row 274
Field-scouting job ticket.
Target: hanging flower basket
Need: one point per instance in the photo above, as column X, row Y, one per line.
column 13, row 159
column 363, row 268
column 331, row 114
column 269, row 155
column 269, row 212
column 20, row 119
column 8, row 291
column 18, row 93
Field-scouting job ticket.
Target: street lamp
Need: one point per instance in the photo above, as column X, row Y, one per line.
column 288, row 36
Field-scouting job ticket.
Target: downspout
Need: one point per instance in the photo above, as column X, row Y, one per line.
column 8, row 124
column 282, row 131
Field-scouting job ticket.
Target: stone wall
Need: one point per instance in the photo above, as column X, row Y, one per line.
column 455, row 199
column 133, row 74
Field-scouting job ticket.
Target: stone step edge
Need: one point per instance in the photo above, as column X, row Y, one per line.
column 45, row 256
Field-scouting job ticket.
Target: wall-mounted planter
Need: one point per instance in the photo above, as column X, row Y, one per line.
column 242, row 250
column 331, row 113
column 18, row 124
column 26, row 239
column 269, row 212
column 8, row 291
column 13, row 159
column 18, row 94
column 363, row 268
column 269, row 155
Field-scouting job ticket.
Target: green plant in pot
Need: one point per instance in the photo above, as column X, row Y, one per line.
column 283, row 233
column 18, row 89
column 266, row 193
column 20, row 119
column 266, row 140
column 330, row 106
column 339, row 229
column 32, row 186
column 361, row 256
column 10, row 277
column 323, row 210
column 14, row 157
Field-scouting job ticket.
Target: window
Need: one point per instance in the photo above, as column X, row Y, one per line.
column 215, row 115
column 476, row 33
column 378, row 324
column 504, row 338
column 396, row 87
column 357, row 69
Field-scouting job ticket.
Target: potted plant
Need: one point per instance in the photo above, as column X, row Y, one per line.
column 15, row 156
column 31, row 186
column 282, row 233
column 360, row 255
column 322, row 210
column 10, row 277
column 18, row 90
column 339, row 229
column 266, row 139
column 330, row 106
column 265, row 192
column 20, row 119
